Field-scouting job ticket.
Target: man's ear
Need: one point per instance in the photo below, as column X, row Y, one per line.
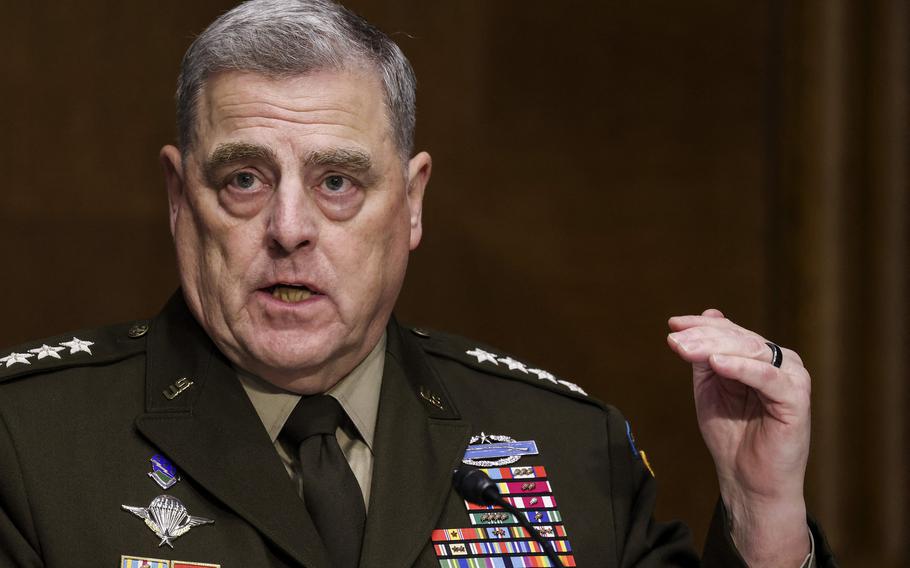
column 172, row 164
column 419, row 168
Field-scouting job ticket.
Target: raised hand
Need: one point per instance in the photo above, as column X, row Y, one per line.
column 754, row 418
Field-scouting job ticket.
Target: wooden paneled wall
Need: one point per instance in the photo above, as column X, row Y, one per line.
column 598, row 167
column 843, row 143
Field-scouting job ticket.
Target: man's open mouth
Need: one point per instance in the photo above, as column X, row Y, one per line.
column 291, row 293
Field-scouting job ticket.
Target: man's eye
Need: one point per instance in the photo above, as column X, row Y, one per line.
column 336, row 184
column 246, row 181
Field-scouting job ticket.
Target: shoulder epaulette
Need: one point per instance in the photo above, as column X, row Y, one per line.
column 84, row 347
column 486, row 359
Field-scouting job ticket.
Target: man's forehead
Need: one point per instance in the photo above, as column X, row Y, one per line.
column 348, row 103
column 234, row 93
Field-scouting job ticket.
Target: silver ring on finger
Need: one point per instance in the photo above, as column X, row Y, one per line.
column 777, row 355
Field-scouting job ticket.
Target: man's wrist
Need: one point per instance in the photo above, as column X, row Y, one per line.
column 769, row 534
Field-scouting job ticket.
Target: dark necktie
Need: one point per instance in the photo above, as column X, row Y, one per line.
column 330, row 490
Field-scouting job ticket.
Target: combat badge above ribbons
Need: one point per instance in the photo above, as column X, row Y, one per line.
column 489, row 450
column 496, row 538
column 167, row 518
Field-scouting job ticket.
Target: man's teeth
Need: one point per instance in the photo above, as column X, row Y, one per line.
column 290, row 294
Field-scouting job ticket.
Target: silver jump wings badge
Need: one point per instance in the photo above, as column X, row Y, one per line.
column 167, row 517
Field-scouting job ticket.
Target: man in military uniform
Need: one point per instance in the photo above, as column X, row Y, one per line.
column 276, row 414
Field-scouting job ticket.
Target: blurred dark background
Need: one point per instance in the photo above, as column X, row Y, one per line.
column 598, row 167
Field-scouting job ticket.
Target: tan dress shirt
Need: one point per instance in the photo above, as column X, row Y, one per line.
column 358, row 394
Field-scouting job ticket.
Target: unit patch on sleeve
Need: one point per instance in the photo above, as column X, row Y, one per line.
column 640, row 454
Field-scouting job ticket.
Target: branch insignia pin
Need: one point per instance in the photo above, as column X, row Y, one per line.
column 177, row 387
column 163, row 472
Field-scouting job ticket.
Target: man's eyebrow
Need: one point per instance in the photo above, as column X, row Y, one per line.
column 347, row 158
column 233, row 152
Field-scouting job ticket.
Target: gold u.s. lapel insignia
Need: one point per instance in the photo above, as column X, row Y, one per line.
column 174, row 390
column 431, row 397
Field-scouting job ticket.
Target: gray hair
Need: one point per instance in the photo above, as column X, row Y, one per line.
column 286, row 38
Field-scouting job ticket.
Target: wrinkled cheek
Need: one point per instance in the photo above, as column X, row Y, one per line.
column 388, row 261
column 200, row 260
column 186, row 245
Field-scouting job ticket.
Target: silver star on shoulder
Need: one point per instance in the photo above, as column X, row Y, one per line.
column 14, row 358
column 483, row 356
column 573, row 387
column 167, row 517
column 513, row 364
column 484, row 439
column 46, row 351
column 543, row 375
column 77, row 345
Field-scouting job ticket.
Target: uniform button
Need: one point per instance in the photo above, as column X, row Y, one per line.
column 420, row 332
column 138, row 330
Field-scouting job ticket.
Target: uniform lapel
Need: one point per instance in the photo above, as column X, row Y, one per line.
column 212, row 433
column 417, row 444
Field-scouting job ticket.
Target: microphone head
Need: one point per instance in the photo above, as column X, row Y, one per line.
column 475, row 486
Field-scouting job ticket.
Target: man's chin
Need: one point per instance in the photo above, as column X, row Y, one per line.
column 289, row 362
column 294, row 364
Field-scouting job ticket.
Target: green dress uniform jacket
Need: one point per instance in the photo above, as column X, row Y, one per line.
column 79, row 425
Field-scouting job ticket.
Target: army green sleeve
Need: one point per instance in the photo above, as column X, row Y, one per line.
column 18, row 540
column 641, row 541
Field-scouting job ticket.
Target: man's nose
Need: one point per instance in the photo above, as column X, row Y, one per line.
column 293, row 220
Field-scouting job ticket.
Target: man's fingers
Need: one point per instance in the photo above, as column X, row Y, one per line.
column 698, row 343
column 773, row 383
column 712, row 313
column 700, row 347
column 679, row 323
column 704, row 331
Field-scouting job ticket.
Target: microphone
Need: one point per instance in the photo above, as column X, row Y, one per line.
column 476, row 487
